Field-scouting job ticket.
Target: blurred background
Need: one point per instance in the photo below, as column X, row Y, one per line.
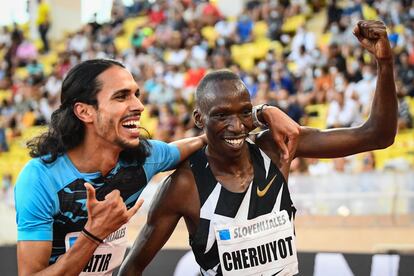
column 356, row 213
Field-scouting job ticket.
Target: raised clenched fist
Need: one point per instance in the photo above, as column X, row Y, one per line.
column 373, row 36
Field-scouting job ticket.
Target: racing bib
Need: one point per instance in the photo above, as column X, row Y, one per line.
column 107, row 255
column 262, row 246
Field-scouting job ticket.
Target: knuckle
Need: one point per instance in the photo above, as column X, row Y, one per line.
column 113, row 204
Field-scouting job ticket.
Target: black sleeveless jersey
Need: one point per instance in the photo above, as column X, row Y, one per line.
column 268, row 191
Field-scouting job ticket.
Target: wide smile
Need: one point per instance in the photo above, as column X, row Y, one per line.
column 132, row 126
column 235, row 142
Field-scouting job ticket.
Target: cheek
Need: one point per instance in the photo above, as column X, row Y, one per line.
column 248, row 123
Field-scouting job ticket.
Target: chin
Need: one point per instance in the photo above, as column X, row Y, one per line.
column 128, row 144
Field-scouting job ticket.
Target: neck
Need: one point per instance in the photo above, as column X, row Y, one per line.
column 94, row 157
column 233, row 164
column 235, row 173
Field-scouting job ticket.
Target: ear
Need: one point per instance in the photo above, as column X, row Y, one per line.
column 84, row 112
column 198, row 119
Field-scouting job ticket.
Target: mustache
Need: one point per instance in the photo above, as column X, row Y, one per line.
column 130, row 115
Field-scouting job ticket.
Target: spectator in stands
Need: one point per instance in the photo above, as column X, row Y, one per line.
column 26, row 52
column 364, row 89
column 43, row 22
column 244, row 28
column 405, row 118
column 303, row 37
column 3, row 139
column 333, row 14
column 342, row 111
column 5, row 37
column 405, row 72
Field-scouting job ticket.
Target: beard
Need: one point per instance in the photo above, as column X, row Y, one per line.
column 131, row 152
column 124, row 145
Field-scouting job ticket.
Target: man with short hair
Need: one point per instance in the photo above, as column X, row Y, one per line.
column 233, row 194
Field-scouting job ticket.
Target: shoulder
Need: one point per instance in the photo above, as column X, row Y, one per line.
column 37, row 174
column 178, row 194
column 34, row 168
column 160, row 148
column 179, row 187
column 182, row 177
column 156, row 143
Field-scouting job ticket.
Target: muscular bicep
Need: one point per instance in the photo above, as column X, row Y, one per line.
column 33, row 256
column 334, row 143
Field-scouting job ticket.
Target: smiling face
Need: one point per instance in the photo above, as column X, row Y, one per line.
column 116, row 119
column 226, row 117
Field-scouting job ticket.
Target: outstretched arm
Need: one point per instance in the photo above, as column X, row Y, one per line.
column 171, row 203
column 187, row 146
column 380, row 129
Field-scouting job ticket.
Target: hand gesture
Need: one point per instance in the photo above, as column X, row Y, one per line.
column 373, row 36
column 106, row 216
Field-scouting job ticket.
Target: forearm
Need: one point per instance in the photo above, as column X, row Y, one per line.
column 382, row 122
column 332, row 143
column 133, row 262
column 188, row 146
column 70, row 263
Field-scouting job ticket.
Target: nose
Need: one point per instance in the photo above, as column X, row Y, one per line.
column 235, row 124
column 137, row 105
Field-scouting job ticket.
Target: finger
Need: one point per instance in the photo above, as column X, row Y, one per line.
column 357, row 32
column 134, row 209
column 282, row 145
column 291, row 145
column 90, row 195
column 362, row 38
column 114, row 194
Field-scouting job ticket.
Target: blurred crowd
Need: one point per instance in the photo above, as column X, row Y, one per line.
column 171, row 51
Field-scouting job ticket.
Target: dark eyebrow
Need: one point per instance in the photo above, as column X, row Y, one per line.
column 124, row 91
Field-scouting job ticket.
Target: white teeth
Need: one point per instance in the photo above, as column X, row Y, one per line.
column 234, row 141
column 132, row 123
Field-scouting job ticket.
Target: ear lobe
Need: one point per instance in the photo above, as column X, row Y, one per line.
column 82, row 111
column 198, row 119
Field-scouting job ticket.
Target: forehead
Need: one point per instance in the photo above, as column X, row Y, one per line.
column 226, row 92
column 117, row 78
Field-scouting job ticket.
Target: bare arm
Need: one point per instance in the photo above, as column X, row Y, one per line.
column 379, row 130
column 174, row 200
column 187, row 146
column 33, row 257
column 104, row 217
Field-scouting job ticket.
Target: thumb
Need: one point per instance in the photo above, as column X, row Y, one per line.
column 282, row 145
column 134, row 209
column 90, row 195
column 357, row 32
column 291, row 144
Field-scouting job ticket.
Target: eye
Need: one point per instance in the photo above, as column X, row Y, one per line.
column 120, row 97
column 137, row 94
column 247, row 113
column 220, row 116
